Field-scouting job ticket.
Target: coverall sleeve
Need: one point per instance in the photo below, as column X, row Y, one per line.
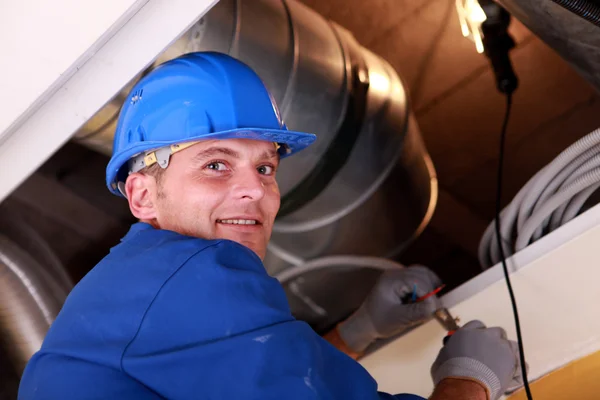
column 59, row 377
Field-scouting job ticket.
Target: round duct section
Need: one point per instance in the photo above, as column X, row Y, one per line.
column 33, row 288
column 367, row 186
column 563, row 26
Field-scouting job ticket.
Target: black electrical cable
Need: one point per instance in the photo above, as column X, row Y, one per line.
column 500, row 245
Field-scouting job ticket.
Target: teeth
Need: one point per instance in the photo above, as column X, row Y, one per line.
column 238, row 221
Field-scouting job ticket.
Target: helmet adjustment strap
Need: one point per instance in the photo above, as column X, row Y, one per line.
column 160, row 156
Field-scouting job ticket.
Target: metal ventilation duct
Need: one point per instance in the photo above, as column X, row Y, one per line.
column 33, row 288
column 574, row 38
column 367, row 186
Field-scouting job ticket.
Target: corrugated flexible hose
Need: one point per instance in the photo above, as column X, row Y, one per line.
column 585, row 9
column 554, row 196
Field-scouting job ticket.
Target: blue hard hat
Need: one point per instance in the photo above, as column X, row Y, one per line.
column 197, row 96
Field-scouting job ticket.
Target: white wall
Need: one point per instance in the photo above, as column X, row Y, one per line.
column 62, row 60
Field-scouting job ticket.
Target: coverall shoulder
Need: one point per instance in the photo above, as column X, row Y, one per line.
column 165, row 315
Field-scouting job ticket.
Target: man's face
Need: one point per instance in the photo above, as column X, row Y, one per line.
column 220, row 189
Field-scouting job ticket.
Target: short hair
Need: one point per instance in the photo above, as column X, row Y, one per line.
column 154, row 170
column 157, row 172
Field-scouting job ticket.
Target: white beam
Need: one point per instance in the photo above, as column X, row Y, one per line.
column 44, row 43
column 101, row 60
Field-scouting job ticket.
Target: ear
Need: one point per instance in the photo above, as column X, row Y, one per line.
column 141, row 193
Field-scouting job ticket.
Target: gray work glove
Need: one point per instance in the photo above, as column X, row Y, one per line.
column 481, row 354
column 383, row 314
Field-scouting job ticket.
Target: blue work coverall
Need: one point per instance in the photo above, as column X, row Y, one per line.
column 171, row 316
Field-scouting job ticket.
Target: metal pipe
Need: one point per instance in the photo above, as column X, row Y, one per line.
column 574, row 38
column 29, row 302
column 30, row 241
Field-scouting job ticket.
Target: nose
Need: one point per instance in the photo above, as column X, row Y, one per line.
column 248, row 185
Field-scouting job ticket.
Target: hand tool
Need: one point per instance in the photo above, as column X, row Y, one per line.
column 447, row 321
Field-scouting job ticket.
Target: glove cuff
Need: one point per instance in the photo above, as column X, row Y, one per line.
column 357, row 331
column 469, row 368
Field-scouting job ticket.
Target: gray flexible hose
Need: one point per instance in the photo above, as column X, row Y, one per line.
column 555, row 183
column 561, row 216
column 489, row 253
column 575, row 205
column 583, row 161
column 576, row 169
column 588, row 166
column 582, row 183
column 583, row 145
column 337, row 262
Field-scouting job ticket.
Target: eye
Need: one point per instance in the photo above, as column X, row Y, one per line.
column 217, row 166
column 265, row 170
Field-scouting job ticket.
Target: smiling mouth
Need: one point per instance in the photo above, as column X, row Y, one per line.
column 238, row 222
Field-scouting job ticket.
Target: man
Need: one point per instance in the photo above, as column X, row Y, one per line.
column 182, row 308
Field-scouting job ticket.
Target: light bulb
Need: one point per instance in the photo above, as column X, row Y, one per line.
column 471, row 16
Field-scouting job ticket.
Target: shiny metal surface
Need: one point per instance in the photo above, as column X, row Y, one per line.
column 23, row 235
column 30, row 300
column 383, row 196
column 574, row 38
column 443, row 316
column 388, row 217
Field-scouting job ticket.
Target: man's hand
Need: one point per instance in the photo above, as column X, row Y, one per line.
column 482, row 355
column 384, row 314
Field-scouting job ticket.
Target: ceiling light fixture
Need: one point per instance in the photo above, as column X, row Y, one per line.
column 471, row 16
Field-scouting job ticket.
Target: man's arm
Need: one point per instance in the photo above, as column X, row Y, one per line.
column 454, row 389
column 60, row 376
column 333, row 337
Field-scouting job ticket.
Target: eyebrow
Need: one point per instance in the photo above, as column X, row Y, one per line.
column 214, row 151
column 272, row 154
